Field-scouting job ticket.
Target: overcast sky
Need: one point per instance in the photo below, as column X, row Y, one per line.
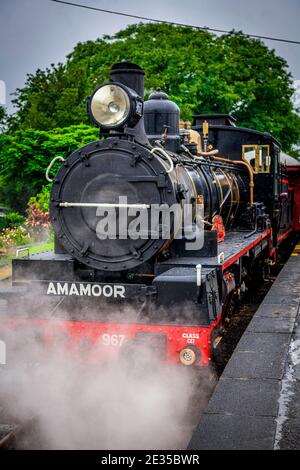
column 36, row 33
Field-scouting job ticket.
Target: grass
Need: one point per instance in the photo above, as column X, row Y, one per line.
column 33, row 250
column 4, row 260
column 39, row 248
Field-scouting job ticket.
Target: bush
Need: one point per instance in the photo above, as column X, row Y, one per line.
column 19, row 230
column 14, row 236
column 13, row 220
column 38, row 221
column 42, row 199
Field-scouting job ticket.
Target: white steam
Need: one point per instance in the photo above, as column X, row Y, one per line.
column 124, row 404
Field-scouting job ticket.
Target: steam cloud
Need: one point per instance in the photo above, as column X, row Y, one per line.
column 82, row 405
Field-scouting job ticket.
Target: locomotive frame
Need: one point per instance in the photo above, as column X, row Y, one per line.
column 177, row 299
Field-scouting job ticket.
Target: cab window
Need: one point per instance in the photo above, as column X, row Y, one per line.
column 258, row 156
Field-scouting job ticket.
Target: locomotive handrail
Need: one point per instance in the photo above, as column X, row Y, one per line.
column 22, row 250
column 55, row 159
column 104, row 204
column 211, row 153
column 164, row 153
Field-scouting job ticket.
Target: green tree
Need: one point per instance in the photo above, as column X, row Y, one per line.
column 25, row 155
column 201, row 72
column 3, row 118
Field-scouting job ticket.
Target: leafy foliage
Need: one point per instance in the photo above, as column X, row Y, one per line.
column 35, row 227
column 25, row 155
column 201, row 72
column 2, row 114
column 3, row 119
column 13, row 220
column 14, row 236
column 42, row 200
column 37, row 220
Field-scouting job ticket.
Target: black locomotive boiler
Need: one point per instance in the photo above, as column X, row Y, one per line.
column 223, row 202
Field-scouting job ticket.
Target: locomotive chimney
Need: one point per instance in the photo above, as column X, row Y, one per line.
column 132, row 76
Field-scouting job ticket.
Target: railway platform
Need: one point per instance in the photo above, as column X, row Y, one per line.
column 256, row 404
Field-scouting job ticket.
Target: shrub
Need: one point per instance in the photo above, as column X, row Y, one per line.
column 19, row 230
column 13, row 220
column 37, row 221
column 41, row 200
column 14, row 236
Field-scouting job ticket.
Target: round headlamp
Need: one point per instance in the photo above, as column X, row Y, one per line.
column 113, row 106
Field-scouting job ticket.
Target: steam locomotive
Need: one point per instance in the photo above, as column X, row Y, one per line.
column 157, row 226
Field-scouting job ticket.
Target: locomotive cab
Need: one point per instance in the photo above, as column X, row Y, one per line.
column 262, row 152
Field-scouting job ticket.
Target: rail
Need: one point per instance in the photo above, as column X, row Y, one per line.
column 8, row 434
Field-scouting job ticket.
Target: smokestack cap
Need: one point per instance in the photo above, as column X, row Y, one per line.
column 126, row 67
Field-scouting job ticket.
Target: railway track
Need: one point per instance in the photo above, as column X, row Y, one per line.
column 19, row 436
column 8, row 435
